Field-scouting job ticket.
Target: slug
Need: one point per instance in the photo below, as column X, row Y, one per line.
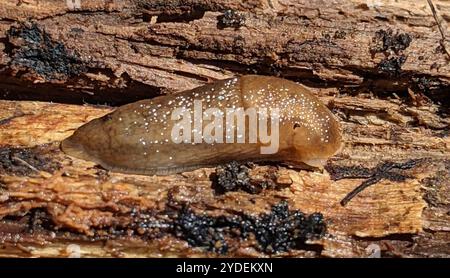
column 247, row 118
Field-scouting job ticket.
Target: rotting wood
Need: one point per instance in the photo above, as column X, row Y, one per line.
column 86, row 202
column 379, row 65
column 120, row 51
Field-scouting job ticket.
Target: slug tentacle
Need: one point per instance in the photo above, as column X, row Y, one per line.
column 250, row 118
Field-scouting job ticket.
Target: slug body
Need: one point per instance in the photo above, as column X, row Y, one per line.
column 139, row 137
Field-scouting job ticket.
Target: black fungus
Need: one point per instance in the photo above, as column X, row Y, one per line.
column 37, row 51
column 230, row 18
column 232, row 177
column 201, row 230
column 340, row 34
column 277, row 231
column 392, row 45
column 391, row 66
column 281, row 229
column 386, row 40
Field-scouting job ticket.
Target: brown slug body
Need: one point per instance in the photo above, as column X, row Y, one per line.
column 138, row 137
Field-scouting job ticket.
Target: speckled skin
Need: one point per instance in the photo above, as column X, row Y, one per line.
column 135, row 138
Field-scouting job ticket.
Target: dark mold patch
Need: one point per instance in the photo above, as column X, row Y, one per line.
column 277, row 231
column 392, row 45
column 387, row 170
column 234, row 176
column 386, row 40
column 391, row 66
column 25, row 161
column 36, row 50
column 340, row 34
column 282, row 229
column 230, row 18
column 202, row 230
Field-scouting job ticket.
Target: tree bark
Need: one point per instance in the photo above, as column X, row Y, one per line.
column 117, row 51
column 380, row 66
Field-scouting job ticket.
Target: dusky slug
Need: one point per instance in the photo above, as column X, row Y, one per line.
column 151, row 137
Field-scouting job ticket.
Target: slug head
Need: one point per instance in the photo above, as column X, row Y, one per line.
column 314, row 145
column 310, row 130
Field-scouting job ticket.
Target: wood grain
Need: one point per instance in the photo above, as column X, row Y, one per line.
column 379, row 66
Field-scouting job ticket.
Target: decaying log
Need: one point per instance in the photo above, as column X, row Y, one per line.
column 380, row 66
column 50, row 199
column 118, row 51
